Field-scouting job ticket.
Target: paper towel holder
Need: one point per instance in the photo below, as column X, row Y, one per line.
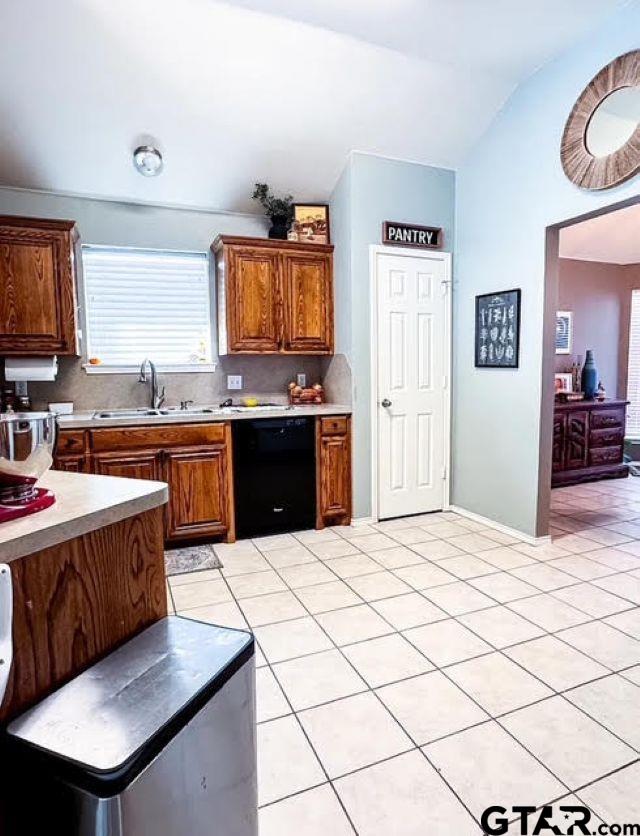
column 30, row 369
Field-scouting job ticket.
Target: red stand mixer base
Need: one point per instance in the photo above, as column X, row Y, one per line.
column 14, row 510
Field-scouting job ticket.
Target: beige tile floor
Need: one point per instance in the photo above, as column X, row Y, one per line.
column 412, row 673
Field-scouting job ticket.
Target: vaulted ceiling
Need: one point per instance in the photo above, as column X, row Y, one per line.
column 274, row 90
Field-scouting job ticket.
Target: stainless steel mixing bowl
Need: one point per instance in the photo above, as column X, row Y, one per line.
column 27, row 440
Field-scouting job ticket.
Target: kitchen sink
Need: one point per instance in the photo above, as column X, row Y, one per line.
column 131, row 413
column 190, row 412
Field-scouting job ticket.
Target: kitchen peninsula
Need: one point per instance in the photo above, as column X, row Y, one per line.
column 87, row 574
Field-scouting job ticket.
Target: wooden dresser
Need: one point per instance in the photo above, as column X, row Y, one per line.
column 588, row 441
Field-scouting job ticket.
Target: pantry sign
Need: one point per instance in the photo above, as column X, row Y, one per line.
column 411, row 235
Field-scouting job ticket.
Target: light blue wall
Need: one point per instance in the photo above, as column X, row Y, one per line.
column 372, row 190
column 509, row 190
column 341, row 214
column 131, row 224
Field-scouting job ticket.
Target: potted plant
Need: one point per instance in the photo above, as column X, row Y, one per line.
column 279, row 210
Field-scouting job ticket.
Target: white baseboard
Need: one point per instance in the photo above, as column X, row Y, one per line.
column 362, row 521
column 513, row 532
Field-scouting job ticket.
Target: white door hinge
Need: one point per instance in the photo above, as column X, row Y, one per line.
column 445, row 381
column 444, row 472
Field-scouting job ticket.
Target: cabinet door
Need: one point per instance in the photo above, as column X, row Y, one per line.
column 577, row 440
column 142, row 464
column 559, row 433
column 334, row 479
column 199, row 492
column 70, row 464
column 37, row 294
column 252, row 302
column 308, row 303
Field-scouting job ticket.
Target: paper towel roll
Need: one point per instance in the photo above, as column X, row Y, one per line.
column 30, row 368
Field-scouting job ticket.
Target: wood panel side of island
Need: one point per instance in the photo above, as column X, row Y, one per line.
column 76, row 601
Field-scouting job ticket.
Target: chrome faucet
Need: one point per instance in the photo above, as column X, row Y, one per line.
column 157, row 398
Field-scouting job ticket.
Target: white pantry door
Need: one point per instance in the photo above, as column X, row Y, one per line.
column 412, row 385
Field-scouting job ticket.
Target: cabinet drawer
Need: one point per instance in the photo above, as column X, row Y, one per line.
column 606, row 438
column 181, row 435
column 606, row 418
column 70, row 441
column 605, row 455
column 333, row 426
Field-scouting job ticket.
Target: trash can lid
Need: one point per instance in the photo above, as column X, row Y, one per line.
column 122, row 711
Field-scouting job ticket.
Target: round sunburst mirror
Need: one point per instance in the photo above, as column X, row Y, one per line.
column 601, row 141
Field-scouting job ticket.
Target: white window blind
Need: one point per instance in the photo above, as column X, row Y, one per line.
column 633, row 371
column 147, row 303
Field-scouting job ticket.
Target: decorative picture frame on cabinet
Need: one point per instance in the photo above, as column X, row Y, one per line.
column 564, row 332
column 311, row 223
column 563, row 382
column 497, row 332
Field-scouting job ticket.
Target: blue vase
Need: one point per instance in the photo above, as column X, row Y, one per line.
column 589, row 377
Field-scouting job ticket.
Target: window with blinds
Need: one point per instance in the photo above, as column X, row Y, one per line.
column 147, row 303
column 633, row 370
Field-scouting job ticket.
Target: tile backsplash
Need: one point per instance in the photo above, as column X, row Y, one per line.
column 261, row 376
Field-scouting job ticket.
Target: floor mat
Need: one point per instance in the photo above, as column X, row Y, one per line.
column 191, row 559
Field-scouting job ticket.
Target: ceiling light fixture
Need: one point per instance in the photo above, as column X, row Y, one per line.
column 148, row 160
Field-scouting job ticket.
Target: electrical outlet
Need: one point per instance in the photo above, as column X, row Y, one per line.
column 301, row 380
column 234, row 381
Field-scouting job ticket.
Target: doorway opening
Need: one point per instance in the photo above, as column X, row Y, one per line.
column 410, row 374
column 590, row 418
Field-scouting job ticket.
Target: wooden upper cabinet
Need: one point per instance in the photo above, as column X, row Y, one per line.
column 274, row 297
column 308, row 303
column 37, row 286
column 252, row 300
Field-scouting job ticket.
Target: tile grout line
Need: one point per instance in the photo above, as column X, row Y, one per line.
column 382, row 704
column 424, row 594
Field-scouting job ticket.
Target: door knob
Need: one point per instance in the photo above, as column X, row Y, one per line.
column 386, row 403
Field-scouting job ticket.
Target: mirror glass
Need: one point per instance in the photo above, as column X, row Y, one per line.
column 613, row 122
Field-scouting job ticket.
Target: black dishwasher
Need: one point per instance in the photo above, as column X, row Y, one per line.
column 274, row 475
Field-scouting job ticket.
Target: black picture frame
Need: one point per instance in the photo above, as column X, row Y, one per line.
column 500, row 313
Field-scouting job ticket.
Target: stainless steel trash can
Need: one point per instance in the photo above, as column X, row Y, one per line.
column 157, row 739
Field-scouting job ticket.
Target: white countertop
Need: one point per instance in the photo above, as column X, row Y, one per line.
column 83, row 503
column 84, row 420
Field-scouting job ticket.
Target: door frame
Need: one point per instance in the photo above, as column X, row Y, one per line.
column 428, row 255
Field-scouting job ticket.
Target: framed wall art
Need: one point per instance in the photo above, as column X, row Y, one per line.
column 497, row 336
column 311, row 222
column 564, row 332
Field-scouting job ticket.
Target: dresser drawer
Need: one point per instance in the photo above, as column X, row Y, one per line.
column 606, row 438
column 605, row 455
column 333, row 426
column 602, row 419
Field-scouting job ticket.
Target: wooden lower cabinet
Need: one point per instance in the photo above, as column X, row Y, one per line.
column 196, row 461
column 71, row 464
column 199, row 496
column 142, row 464
column 333, row 471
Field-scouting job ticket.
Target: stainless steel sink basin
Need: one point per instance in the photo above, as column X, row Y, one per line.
column 202, row 410
column 131, row 413
column 193, row 411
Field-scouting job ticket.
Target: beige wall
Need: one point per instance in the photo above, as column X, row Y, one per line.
column 599, row 295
